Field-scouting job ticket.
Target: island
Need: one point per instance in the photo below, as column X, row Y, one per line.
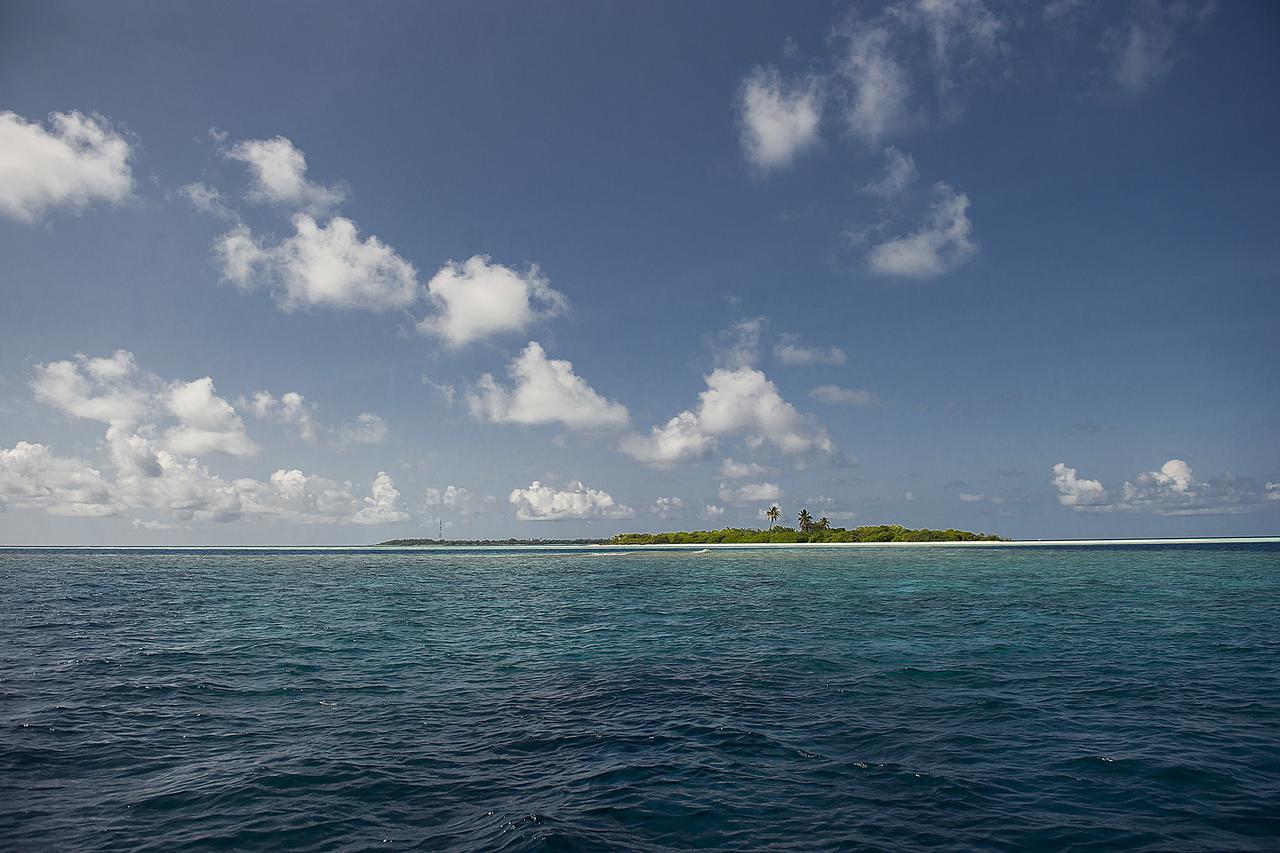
column 815, row 534
column 741, row 536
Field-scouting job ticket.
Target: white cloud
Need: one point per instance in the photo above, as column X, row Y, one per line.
column 574, row 502
column 1174, row 490
column 206, row 422
column 280, row 175
column 748, row 493
column 943, row 242
column 879, row 86
column 99, row 389
column 1076, row 492
column 899, row 173
column 477, row 299
column 383, row 506
column 711, row 512
column 737, row 346
column 32, row 477
column 156, row 471
column 290, row 409
column 789, row 351
column 367, row 429
column 908, row 496
column 446, row 390
column 207, row 199
column 460, row 500
column 1273, row 492
column 836, row 395
column 291, row 496
column 746, row 401
column 1140, row 48
column 778, row 120
column 545, row 391
column 731, row 470
column 1171, row 490
column 960, row 33
column 667, row 508
column 78, row 160
column 741, row 401
column 678, row 439
column 327, row 265
column 970, row 498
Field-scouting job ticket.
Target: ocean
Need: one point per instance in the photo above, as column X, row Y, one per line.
column 881, row 698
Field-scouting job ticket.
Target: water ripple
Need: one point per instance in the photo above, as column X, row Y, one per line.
column 1063, row 698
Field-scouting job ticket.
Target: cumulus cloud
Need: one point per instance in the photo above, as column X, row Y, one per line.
column 836, row 395
column 383, row 506
column 971, row 498
column 1173, row 489
column 574, row 502
column 32, row 477
column 545, row 390
column 150, row 479
column 459, row 500
column 899, row 173
column 293, row 411
column 206, row 422
column 943, row 241
column 731, row 470
column 1073, row 491
column 75, row 161
column 290, row 409
column 711, row 512
column 100, row 389
column 737, row 346
column 778, row 120
column 477, row 299
column 736, row 402
column 748, row 493
column 667, row 508
column 207, row 199
column 157, row 469
column 789, row 351
column 320, row 265
column 279, row 172
column 878, row 85
column 368, row 428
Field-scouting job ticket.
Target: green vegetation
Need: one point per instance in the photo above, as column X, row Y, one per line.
column 818, row 531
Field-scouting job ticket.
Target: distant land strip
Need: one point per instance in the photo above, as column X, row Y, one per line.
column 740, row 536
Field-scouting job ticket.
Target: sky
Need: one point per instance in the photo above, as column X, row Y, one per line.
column 324, row 273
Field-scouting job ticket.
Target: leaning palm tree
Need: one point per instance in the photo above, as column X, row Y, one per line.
column 823, row 524
column 806, row 520
column 773, row 513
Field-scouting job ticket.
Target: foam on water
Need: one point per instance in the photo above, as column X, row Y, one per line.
column 1098, row 696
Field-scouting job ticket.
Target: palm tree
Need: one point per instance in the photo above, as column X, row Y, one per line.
column 806, row 520
column 772, row 514
column 823, row 524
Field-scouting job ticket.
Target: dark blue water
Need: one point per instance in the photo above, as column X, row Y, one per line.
column 1046, row 698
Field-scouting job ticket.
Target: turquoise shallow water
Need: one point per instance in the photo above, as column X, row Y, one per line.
column 884, row 698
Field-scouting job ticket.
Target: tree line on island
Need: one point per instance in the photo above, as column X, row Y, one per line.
column 807, row 530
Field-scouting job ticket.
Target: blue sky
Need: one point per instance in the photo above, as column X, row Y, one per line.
column 333, row 273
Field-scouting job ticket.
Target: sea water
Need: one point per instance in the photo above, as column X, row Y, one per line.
column 1120, row 697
